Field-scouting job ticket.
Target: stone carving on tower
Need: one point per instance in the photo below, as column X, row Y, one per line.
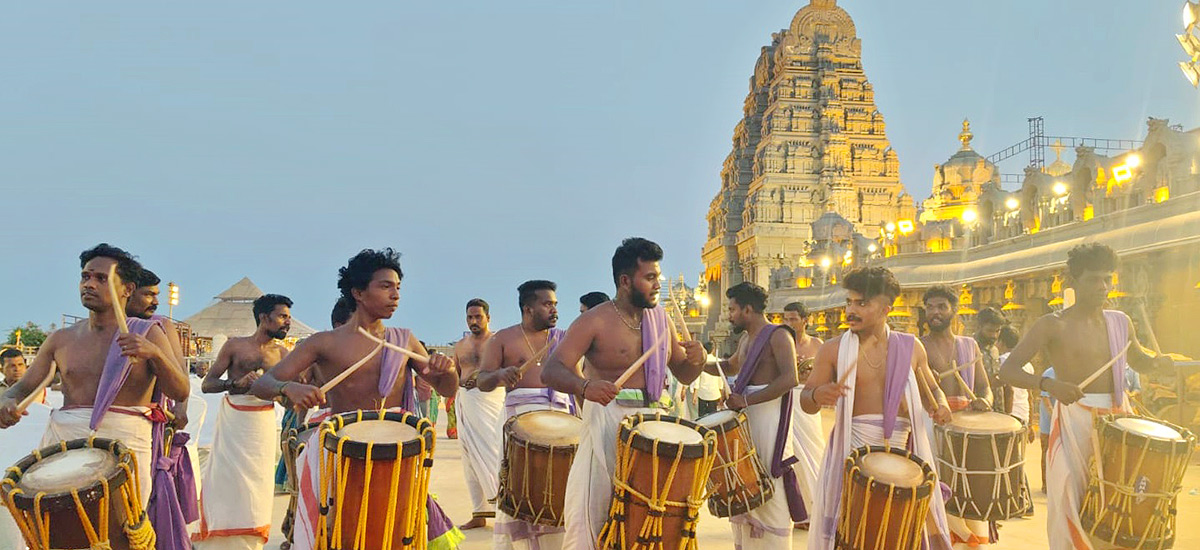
column 811, row 141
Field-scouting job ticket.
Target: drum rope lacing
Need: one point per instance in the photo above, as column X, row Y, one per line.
column 1001, row 480
column 734, row 488
column 140, row 533
column 914, row 508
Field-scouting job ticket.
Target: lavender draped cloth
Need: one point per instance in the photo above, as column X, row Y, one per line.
column 899, row 361
column 780, row 466
column 654, row 324
column 1117, row 324
column 964, row 351
column 173, row 495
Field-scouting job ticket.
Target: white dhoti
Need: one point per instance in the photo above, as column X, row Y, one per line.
column 770, row 524
column 1068, row 464
column 808, row 442
column 239, row 478
column 590, row 483
column 479, row 424
column 125, row 424
column 511, row 532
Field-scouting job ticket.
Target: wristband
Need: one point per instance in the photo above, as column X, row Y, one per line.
column 583, row 390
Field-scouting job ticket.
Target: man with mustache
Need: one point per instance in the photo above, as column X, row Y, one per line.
column 478, row 412
column 808, row 435
column 1077, row 341
column 143, row 304
column 111, row 383
column 371, row 282
column 765, row 366
column 503, row 357
column 238, row 483
column 612, row 337
column 876, row 379
column 988, row 323
column 956, row 361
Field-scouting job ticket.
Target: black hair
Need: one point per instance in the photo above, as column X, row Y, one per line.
column 940, row 291
column 798, row 308
column 342, row 310
column 362, row 267
column 990, row 316
column 872, row 282
column 593, row 299
column 10, row 353
column 480, row 303
column 748, row 294
column 527, row 292
column 147, row 278
column 633, row 250
column 265, row 304
column 127, row 268
column 1009, row 336
column 1091, row 256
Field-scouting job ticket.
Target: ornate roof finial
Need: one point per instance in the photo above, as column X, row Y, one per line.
column 823, row 3
column 1058, row 149
column 966, row 135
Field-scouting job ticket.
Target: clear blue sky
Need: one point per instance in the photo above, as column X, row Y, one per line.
column 490, row 142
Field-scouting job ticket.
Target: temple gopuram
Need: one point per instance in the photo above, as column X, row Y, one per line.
column 811, row 144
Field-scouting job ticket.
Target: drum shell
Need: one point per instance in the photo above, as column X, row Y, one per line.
column 530, row 471
column 1160, row 470
column 864, row 500
column 66, row 530
column 750, row 486
column 384, row 459
column 294, row 442
column 972, row 452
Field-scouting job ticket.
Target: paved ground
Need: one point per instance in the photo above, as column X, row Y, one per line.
column 714, row 533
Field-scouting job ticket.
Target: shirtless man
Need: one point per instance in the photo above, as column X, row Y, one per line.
column 89, row 385
column 943, row 347
column 765, row 366
column 371, row 279
column 143, row 304
column 479, row 417
column 1077, row 341
column 850, row 373
column 503, row 357
column 612, row 337
column 591, row 300
column 957, row 362
column 13, row 364
column 808, row 434
column 239, row 482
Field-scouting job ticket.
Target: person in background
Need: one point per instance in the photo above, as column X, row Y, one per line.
column 591, row 300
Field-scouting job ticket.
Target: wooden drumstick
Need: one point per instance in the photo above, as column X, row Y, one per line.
column 411, row 354
column 641, row 360
column 683, row 330
column 530, row 362
column 1149, row 329
column 118, row 310
column 24, row 404
column 952, row 372
column 961, row 380
column 1106, row 366
column 350, row 370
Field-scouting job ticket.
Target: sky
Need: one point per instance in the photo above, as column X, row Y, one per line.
column 489, row 142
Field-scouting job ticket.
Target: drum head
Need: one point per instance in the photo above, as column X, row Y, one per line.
column 719, row 418
column 553, row 428
column 668, row 432
column 892, row 469
column 1147, row 428
column 378, row 431
column 72, row 469
column 983, row 422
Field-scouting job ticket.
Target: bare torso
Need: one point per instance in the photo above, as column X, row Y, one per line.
column 247, row 356
column 614, row 348
column 870, row 377
column 80, row 353
column 942, row 352
column 337, row 350
column 768, row 364
column 468, row 352
column 517, row 347
column 1076, row 347
column 806, row 350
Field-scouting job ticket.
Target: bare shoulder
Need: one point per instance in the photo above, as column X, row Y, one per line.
column 829, row 347
column 783, row 337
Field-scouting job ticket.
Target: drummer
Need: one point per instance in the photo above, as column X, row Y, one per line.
column 765, row 366
column 956, row 360
column 851, row 373
column 371, row 280
column 1077, row 341
column 94, row 360
column 808, row 434
column 611, row 337
column 479, row 414
column 527, row 342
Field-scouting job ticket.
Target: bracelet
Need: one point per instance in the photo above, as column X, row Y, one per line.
column 583, row 390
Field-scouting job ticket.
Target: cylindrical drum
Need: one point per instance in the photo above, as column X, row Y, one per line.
column 539, row 447
column 885, row 498
column 981, row 456
column 738, row 482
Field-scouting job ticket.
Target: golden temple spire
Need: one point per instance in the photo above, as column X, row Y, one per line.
column 966, row 135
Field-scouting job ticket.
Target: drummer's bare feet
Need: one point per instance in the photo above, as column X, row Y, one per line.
column 474, row 523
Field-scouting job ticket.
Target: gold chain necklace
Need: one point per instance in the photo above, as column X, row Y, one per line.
column 533, row 352
column 627, row 323
column 877, row 364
